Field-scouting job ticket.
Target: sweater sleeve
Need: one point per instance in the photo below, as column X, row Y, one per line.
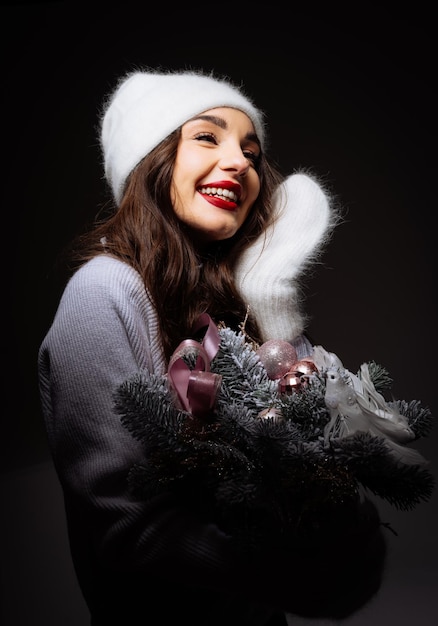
column 104, row 331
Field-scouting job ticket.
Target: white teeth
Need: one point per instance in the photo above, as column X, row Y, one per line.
column 218, row 191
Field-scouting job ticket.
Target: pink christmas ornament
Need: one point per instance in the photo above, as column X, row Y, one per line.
column 290, row 383
column 306, row 367
column 298, row 377
column 277, row 357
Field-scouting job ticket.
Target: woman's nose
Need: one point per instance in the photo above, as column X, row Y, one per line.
column 233, row 159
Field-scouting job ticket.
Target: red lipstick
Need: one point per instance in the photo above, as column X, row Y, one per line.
column 219, row 202
column 223, row 193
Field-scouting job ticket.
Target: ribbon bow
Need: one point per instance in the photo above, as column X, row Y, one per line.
column 196, row 388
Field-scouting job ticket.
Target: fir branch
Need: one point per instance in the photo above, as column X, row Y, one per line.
column 380, row 377
column 307, row 409
column 370, row 461
column 243, row 375
column 419, row 417
column 147, row 410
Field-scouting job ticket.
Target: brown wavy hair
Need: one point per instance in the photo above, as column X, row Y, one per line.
column 182, row 280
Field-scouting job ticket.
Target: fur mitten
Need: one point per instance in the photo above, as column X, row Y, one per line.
column 267, row 272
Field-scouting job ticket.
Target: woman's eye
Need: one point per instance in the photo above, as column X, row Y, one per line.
column 206, row 137
column 252, row 156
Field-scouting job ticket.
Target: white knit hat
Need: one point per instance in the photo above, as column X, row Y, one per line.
column 147, row 106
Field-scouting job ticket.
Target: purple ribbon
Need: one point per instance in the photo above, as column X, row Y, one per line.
column 196, row 389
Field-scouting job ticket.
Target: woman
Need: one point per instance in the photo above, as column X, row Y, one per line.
column 202, row 223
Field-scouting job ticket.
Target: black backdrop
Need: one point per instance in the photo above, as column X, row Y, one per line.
column 349, row 96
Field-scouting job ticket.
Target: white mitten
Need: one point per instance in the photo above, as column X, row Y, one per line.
column 267, row 272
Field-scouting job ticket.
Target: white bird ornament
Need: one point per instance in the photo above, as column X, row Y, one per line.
column 355, row 405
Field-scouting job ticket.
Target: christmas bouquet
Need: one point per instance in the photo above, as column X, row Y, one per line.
column 266, row 444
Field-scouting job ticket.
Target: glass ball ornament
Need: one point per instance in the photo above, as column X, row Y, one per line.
column 290, row 383
column 306, row 367
column 298, row 377
column 277, row 357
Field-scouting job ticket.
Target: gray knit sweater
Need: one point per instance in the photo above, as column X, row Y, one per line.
column 133, row 558
column 105, row 330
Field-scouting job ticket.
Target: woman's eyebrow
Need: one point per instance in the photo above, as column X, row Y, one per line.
column 219, row 121
column 214, row 119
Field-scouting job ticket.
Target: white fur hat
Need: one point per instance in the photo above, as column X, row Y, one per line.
column 147, row 106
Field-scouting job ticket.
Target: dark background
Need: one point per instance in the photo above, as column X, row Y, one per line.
column 351, row 96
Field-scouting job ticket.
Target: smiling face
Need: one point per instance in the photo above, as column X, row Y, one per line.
column 215, row 180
